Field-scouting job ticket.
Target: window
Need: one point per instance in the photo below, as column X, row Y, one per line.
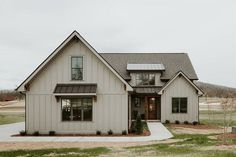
column 145, row 79
column 77, row 68
column 77, row 109
column 179, row 105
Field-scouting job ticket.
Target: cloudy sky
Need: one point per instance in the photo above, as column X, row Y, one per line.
column 206, row 29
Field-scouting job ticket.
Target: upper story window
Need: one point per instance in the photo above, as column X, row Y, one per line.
column 77, row 68
column 145, row 79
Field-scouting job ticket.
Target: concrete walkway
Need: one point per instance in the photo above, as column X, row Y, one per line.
column 158, row 132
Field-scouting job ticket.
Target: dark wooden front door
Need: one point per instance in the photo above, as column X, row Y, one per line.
column 152, row 108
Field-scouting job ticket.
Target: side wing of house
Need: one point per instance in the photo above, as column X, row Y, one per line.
column 179, row 100
column 106, row 109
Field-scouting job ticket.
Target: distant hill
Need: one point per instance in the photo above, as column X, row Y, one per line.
column 212, row 90
column 9, row 95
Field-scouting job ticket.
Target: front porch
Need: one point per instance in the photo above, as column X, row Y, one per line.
column 147, row 105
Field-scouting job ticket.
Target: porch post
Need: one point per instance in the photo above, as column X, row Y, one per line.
column 129, row 110
column 146, row 107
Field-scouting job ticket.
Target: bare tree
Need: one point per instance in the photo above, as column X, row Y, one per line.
column 229, row 107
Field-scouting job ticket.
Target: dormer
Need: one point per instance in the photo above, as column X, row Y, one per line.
column 145, row 74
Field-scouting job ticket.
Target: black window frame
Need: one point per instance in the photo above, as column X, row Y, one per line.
column 78, row 68
column 180, row 105
column 148, row 80
column 82, row 109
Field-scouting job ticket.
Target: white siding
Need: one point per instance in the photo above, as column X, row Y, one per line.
column 179, row 88
column 110, row 111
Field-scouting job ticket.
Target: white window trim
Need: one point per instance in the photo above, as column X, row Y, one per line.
column 70, row 66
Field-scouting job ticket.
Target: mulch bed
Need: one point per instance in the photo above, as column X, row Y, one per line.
column 145, row 133
column 227, row 136
column 199, row 126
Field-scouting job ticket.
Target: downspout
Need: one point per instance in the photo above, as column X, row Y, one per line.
column 25, row 107
column 198, row 110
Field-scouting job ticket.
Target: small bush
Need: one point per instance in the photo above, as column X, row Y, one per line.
column 139, row 125
column 133, row 127
column 195, row 123
column 135, row 113
column 36, row 133
column 185, row 122
column 177, row 122
column 167, row 122
column 52, row 133
column 124, row 132
column 22, row 132
column 110, row 132
column 143, row 116
column 98, row 132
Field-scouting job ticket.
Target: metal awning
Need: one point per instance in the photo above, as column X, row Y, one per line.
column 76, row 89
column 145, row 67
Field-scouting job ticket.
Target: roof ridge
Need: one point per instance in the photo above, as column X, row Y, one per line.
column 144, row 53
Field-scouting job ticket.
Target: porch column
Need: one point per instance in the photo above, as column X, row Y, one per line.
column 129, row 110
column 146, row 107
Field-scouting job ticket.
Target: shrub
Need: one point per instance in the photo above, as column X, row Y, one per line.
column 98, row 132
column 110, row 132
column 124, row 132
column 167, row 121
column 139, row 125
column 177, row 122
column 36, row 133
column 185, row 122
column 143, row 116
column 135, row 113
column 22, row 132
column 133, row 127
column 195, row 122
column 52, row 133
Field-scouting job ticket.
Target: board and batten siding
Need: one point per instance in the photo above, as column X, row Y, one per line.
column 180, row 87
column 43, row 111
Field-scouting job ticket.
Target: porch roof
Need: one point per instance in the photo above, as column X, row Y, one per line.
column 75, row 89
column 147, row 90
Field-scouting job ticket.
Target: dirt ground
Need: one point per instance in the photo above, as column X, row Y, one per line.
column 201, row 129
column 44, row 145
column 12, row 106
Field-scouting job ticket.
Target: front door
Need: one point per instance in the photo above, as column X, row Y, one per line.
column 152, row 108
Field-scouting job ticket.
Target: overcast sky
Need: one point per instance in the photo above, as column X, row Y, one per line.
column 205, row 29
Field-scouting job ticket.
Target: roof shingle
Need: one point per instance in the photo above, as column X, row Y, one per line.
column 173, row 62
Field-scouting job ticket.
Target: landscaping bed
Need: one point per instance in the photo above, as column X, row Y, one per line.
column 138, row 128
column 146, row 133
column 227, row 136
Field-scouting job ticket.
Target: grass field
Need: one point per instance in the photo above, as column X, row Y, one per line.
column 216, row 118
column 183, row 144
column 11, row 117
column 189, row 145
column 63, row 152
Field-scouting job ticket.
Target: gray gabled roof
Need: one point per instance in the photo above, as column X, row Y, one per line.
column 173, row 62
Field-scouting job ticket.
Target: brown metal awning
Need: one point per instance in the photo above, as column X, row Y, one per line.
column 75, row 89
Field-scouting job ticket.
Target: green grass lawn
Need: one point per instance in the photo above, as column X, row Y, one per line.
column 216, row 118
column 7, row 118
column 66, row 152
column 188, row 145
column 193, row 145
